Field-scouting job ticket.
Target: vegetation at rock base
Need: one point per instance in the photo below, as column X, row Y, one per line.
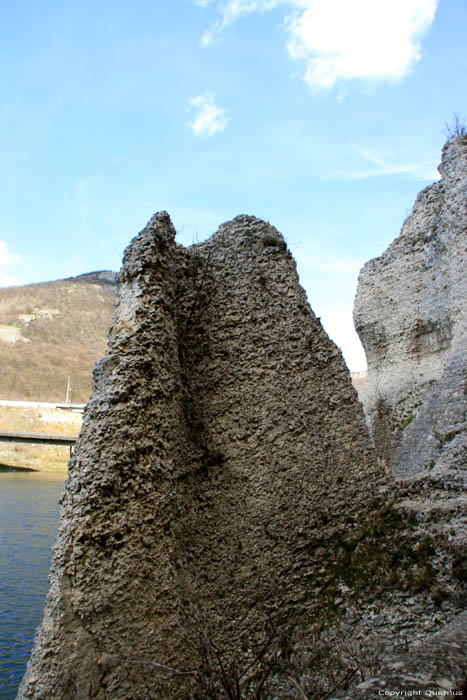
column 385, row 555
column 307, row 658
column 259, row 664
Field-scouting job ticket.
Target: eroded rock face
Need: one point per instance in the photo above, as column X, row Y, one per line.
column 427, row 670
column 410, row 312
column 411, row 315
column 222, row 459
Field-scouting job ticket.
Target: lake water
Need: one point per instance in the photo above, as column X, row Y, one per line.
column 28, row 524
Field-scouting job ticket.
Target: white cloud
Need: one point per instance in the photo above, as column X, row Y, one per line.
column 358, row 39
column 8, row 280
column 6, row 260
column 344, row 40
column 209, row 118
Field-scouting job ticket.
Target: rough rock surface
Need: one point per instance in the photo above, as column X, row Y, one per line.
column 426, row 671
column 223, row 435
column 225, row 518
column 411, row 315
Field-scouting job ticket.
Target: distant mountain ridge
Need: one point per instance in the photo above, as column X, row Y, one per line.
column 51, row 331
column 99, row 275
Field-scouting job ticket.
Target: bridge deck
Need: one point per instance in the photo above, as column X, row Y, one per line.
column 38, row 438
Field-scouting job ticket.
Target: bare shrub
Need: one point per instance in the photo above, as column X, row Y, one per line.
column 244, row 663
column 269, row 659
column 239, row 670
column 456, row 128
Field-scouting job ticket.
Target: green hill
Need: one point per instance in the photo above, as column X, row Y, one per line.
column 52, row 331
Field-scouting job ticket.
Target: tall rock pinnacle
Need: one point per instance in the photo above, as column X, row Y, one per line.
column 223, row 457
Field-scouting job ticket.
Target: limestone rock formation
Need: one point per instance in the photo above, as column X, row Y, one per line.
column 224, row 459
column 226, row 526
column 411, row 315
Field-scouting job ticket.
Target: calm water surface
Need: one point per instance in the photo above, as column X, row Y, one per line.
column 28, row 524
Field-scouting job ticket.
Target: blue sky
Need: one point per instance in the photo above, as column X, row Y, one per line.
column 324, row 117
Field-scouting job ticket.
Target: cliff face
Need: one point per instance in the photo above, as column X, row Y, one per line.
column 223, row 459
column 410, row 313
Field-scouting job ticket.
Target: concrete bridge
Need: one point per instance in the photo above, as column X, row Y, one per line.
column 37, row 438
column 75, row 407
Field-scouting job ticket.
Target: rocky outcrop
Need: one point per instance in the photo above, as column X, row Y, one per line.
column 226, row 528
column 411, row 315
column 223, row 460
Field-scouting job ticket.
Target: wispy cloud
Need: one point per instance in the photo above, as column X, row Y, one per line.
column 209, row 118
column 231, row 11
column 343, row 40
column 379, row 166
column 7, row 259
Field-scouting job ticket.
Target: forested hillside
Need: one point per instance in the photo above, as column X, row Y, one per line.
column 52, row 331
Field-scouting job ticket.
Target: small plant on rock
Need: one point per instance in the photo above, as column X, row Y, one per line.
column 456, row 128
